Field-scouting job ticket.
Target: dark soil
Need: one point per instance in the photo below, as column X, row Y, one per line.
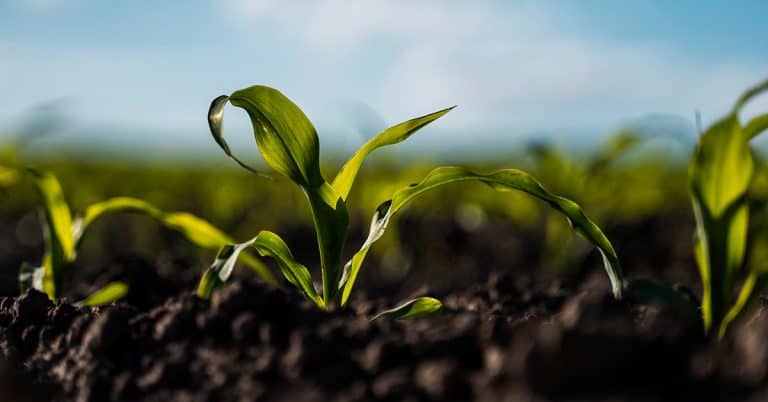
column 517, row 335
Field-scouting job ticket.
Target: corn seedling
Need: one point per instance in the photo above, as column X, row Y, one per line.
column 64, row 236
column 289, row 144
column 720, row 174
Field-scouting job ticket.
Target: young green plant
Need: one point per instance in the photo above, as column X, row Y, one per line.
column 64, row 236
column 289, row 144
column 720, row 173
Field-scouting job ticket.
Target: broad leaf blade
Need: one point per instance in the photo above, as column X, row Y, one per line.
column 195, row 229
column 502, row 180
column 58, row 231
column 417, row 308
column 393, row 135
column 720, row 174
column 268, row 244
column 111, row 292
column 285, row 136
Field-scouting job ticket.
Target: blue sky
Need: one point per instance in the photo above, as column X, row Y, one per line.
column 141, row 73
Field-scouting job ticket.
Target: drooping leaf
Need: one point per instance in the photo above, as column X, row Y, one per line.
column 285, row 136
column 58, row 231
column 756, row 126
column 195, row 229
column 393, row 135
column 216, row 125
column 417, row 308
column 267, row 244
column 748, row 95
column 502, row 180
column 111, row 292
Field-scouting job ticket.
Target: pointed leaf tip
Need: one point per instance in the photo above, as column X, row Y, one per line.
column 417, row 308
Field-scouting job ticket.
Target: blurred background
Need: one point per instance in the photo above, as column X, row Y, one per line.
column 598, row 99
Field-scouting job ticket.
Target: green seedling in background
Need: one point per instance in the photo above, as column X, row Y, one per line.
column 289, row 144
column 720, row 174
column 64, row 235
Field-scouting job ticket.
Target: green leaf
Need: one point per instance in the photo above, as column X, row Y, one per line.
column 502, row 180
column 748, row 95
column 756, row 126
column 111, row 292
column 720, row 174
column 267, row 244
column 60, row 243
column 195, row 229
column 417, row 308
column 750, row 290
column 285, row 136
column 393, row 135
column 216, row 125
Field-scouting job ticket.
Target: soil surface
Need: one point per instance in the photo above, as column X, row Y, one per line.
column 509, row 331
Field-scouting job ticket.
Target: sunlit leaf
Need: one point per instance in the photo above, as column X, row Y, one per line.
column 267, row 244
column 285, row 136
column 502, row 180
column 58, row 231
column 417, row 308
column 393, row 135
column 720, row 174
column 756, row 126
column 195, row 229
column 111, row 292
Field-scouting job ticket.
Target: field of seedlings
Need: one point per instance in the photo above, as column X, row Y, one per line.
column 626, row 273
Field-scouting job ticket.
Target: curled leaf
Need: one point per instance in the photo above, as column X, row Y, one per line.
column 285, row 136
column 216, row 125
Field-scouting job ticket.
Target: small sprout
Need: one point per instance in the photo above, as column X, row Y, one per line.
column 417, row 308
column 111, row 292
column 720, row 174
column 64, row 236
column 289, row 144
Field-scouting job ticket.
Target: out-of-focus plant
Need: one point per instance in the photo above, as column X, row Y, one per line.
column 720, row 175
column 64, row 236
column 289, row 144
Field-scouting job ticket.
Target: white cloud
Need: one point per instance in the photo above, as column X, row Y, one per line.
column 520, row 65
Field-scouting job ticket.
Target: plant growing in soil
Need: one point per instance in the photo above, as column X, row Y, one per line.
column 720, row 174
column 64, row 236
column 289, row 144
